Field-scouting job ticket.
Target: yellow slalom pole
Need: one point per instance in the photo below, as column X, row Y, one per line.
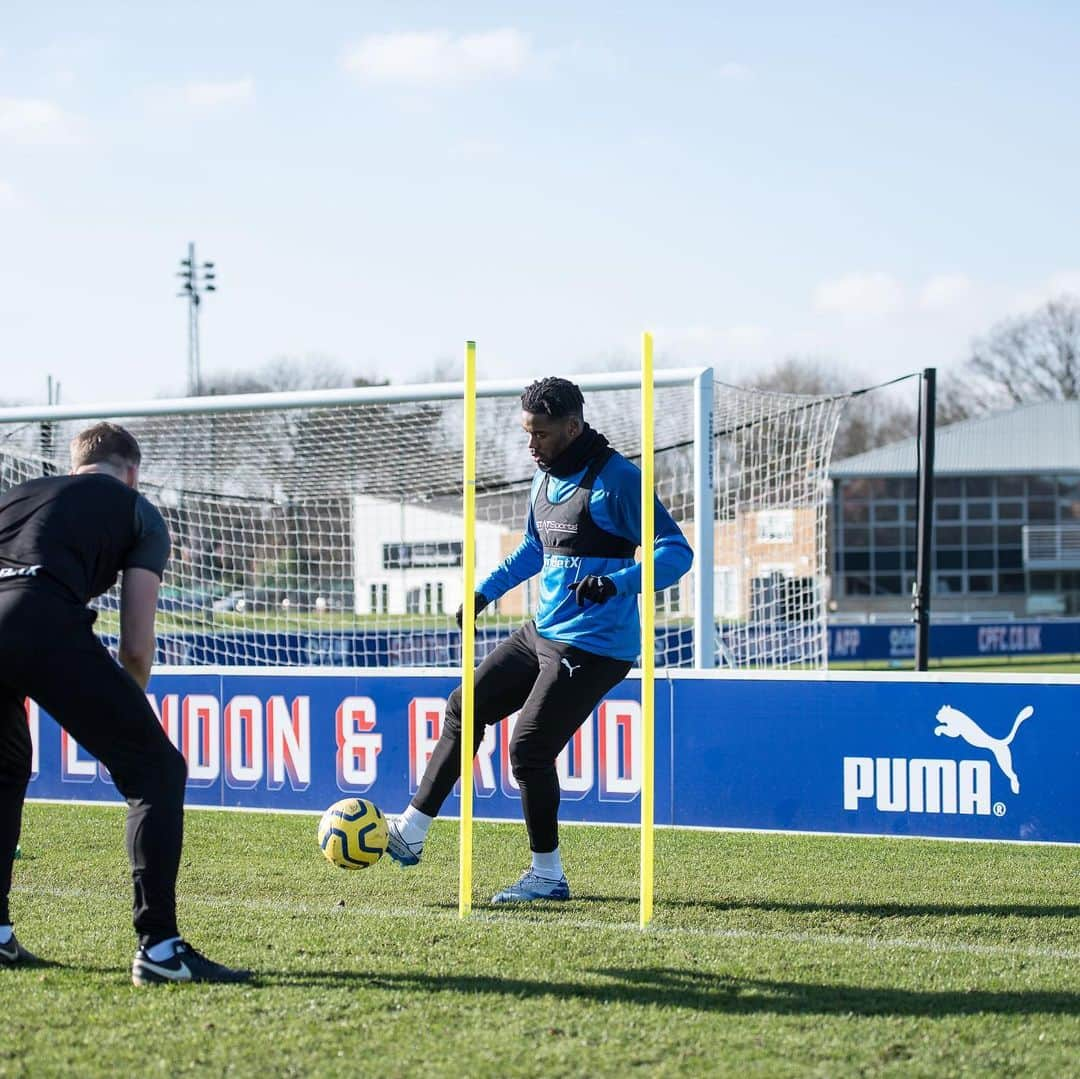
column 648, row 632
column 468, row 637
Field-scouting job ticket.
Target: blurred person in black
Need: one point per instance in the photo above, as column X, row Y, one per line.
column 63, row 541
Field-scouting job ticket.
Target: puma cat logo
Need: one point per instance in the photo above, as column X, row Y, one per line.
column 570, row 667
column 955, row 724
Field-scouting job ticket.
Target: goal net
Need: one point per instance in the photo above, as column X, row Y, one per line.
column 325, row 528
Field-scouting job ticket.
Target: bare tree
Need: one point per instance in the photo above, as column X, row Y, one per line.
column 955, row 400
column 870, row 419
column 285, row 373
column 1034, row 357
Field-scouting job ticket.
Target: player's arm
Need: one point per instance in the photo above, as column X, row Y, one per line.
column 672, row 555
column 143, row 571
column 526, row 561
column 138, row 608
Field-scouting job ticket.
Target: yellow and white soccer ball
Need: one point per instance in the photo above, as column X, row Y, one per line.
column 352, row 833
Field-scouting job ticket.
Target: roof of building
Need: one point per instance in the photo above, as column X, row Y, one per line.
column 1041, row 438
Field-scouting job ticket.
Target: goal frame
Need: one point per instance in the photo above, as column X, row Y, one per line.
column 699, row 379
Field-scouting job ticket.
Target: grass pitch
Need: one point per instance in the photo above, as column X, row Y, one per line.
column 770, row 956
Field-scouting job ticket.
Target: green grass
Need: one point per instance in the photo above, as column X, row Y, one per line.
column 769, row 956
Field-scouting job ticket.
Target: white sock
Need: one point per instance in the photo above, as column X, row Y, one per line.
column 164, row 949
column 414, row 825
column 6, row 933
column 548, row 866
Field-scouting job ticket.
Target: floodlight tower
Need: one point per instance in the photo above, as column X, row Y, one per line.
column 196, row 279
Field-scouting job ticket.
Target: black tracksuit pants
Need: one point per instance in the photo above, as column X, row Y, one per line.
column 553, row 687
column 49, row 652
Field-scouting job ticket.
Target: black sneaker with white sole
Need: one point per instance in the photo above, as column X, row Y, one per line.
column 184, row 965
column 14, row 954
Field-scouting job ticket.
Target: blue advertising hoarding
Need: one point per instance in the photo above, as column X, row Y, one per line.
column 880, row 754
column 896, row 641
column 982, row 758
column 300, row 741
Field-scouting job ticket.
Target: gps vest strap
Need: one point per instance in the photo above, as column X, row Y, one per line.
column 567, row 528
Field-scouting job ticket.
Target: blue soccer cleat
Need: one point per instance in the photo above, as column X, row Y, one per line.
column 405, row 854
column 531, row 887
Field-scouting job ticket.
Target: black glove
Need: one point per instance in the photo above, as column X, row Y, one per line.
column 594, row 589
column 481, row 603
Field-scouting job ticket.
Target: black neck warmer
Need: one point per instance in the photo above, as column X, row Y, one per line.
column 578, row 454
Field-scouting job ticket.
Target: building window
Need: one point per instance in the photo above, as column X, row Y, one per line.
column 379, row 598
column 667, row 601
column 725, row 592
column 856, row 585
column 422, row 554
column 1010, row 583
column 887, row 584
column 776, row 526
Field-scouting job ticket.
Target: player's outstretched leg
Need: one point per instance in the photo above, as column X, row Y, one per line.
column 503, row 681
column 405, row 836
column 570, row 685
column 101, row 706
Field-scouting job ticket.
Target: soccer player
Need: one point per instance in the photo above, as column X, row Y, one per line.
column 63, row 541
column 581, row 532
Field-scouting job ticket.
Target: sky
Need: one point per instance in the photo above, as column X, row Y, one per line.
column 870, row 185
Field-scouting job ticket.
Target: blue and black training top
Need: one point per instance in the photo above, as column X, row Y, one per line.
column 590, row 523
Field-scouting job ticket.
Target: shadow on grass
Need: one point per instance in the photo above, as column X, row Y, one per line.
column 883, row 910
column 486, row 906
column 678, row 988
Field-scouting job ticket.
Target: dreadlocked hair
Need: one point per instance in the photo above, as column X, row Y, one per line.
column 555, row 397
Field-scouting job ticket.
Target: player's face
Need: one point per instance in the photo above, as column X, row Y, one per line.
column 548, row 435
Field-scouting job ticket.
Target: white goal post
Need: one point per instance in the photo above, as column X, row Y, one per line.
column 324, row 527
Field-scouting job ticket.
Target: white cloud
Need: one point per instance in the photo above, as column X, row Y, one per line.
column 1061, row 283
column 731, row 337
column 945, row 290
column 477, row 150
column 36, row 122
column 436, row 57
column 9, row 199
column 860, row 295
column 212, row 94
column 578, row 58
column 733, row 71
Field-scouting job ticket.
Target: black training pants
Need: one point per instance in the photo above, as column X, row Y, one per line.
column 49, row 652
column 553, row 687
